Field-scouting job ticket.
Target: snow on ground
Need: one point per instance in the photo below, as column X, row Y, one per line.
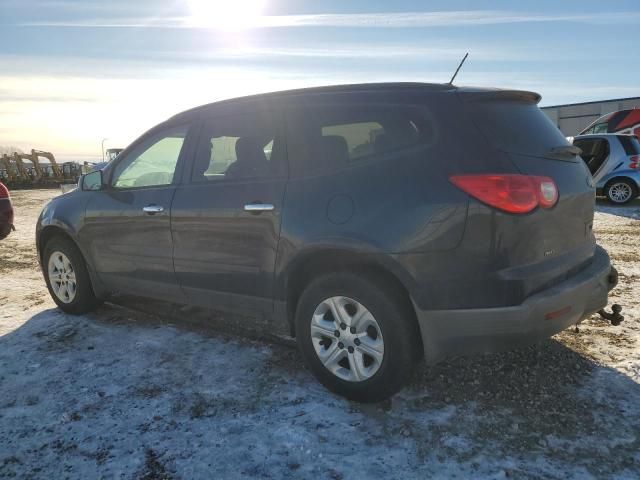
column 124, row 394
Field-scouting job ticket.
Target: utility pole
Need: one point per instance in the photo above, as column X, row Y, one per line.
column 102, row 143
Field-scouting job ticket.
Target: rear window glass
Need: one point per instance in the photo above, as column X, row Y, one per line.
column 517, row 127
column 630, row 144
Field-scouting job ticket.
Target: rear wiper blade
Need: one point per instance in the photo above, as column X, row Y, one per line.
column 565, row 151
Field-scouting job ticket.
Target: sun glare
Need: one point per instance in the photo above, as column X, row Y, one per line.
column 226, row 14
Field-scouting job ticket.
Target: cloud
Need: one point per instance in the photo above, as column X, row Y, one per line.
column 10, row 96
column 451, row 18
column 350, row 51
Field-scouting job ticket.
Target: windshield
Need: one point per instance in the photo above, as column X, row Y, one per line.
column 597, row 128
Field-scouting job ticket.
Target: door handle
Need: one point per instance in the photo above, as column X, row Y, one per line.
column 258, row 207
column 152, row 209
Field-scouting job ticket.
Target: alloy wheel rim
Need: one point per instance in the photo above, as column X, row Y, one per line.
column 62, row 277
column 347, row 339
column 620, row 192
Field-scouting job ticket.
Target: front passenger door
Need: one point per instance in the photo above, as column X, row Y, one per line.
column 127, row 224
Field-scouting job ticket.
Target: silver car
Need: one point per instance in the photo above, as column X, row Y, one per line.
column 614, row 162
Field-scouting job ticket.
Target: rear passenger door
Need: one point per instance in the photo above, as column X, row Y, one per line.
column 226, row 219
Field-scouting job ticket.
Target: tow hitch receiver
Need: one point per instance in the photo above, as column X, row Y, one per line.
column 612, row 279
column 615, row 318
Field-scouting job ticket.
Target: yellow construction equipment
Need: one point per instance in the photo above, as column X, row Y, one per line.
column 7, row 170
column 48, row 155
column 34, row 172
column 14, row 171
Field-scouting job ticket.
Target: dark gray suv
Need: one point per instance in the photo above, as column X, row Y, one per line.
column 376, row 223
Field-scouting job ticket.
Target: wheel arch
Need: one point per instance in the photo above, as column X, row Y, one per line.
column 49, row 232
column 377, row 267
column 619, row 177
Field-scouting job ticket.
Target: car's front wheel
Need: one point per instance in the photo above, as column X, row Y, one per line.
column 357, row 335
column 67, row 277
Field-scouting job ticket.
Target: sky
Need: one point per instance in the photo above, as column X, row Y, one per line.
column 75, row 72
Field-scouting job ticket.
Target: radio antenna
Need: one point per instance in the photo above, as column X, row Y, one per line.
column 458, row 69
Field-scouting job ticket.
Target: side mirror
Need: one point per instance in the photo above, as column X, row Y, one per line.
column 92, row 181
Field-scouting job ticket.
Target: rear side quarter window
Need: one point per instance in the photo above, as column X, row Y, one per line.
column 323, row 138
column 630, row 144
column 361, row 137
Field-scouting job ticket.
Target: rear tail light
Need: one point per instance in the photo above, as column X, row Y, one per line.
column 4, row 191
column 509, row 193
column 547, row 191
column 634, row 162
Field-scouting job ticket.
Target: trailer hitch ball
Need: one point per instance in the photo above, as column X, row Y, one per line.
column 615, row 318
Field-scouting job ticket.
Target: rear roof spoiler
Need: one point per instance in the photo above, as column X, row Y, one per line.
column 487, row 95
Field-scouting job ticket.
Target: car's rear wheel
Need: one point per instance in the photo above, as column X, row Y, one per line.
column 357, row 335
column 67, row 277
column 621, row 191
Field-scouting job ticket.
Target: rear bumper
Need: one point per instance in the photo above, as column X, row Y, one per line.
column 482, row 330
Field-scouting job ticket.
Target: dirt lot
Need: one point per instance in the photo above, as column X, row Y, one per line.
column 126, row 394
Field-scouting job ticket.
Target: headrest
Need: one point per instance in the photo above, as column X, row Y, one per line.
column 250, row 159
column 334, row 149
column 382, row 143
column 248, row 149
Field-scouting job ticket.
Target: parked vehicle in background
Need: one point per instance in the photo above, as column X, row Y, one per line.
column 6, row 212
column 623, row 122
column 112, row 153
column 375, row 223
column 614, row 163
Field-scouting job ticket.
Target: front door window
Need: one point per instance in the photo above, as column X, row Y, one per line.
column 152, row 163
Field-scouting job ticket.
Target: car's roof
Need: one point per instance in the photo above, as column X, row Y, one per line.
column 365, row 88
column 348, row 88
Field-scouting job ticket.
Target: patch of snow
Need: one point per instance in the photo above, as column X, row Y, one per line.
column 120, row 394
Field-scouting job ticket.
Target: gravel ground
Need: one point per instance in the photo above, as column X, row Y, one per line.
column 125, row 394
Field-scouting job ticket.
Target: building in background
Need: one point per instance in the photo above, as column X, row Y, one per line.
column 573, row 117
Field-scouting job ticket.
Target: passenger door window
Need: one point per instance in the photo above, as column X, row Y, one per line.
column 630, row 144
column 594, row 152
column 239, row 147
column 153, row 162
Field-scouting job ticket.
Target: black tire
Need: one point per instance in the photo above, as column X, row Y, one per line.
column 85, row 300
column 394, row 317
column 609, row 187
